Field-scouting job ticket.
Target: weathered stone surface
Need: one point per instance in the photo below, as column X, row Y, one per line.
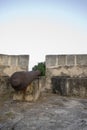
column 59, row 85
column 23, row 61
column 70, row 60
column 61, row 60
column 2, row 57
column 5, row 60
column 11, row 63
column 51, row 60
column 65, row 60
column 71, row 71
column 50, row 113
column 32, row 92
column 67, row 86
column 5, row 87
column 81, row 59
column 77, row 86
column 14, row 60
column 42, row 83
column 18, row 96
column 69, row 65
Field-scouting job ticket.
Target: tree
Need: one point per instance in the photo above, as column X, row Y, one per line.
column 40, row 66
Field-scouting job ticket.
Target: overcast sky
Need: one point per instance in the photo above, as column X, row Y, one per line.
column 42, row 27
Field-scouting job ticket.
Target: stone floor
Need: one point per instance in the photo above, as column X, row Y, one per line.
column 50, row 112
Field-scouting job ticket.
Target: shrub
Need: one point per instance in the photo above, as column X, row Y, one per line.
column 40, row 66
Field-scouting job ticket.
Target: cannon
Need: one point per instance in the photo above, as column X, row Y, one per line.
column 21, row 79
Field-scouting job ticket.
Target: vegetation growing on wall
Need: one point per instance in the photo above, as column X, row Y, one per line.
column 40, row 66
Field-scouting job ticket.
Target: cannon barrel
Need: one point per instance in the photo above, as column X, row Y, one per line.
column 21, row 79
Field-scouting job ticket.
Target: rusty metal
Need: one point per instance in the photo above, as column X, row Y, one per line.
column 21, row 79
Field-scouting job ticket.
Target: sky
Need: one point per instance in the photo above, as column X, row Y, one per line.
column 43, row 27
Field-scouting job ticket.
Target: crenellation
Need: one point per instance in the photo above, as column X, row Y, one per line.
column 81, row 60
column 70, row 60
column 11, row 63
column 74, row 66
column 61, row 60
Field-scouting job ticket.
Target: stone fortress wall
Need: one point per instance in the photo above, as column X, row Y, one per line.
column 11, row 63
column 65, row 60
column 74, row 66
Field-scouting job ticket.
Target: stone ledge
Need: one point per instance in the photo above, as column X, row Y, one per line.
column 70, row 86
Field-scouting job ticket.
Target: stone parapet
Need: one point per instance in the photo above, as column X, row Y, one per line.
column 69, row 86
column 65, row 60
column 74, row 66
column 11, row 63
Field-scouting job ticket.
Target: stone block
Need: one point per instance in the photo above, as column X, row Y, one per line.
column 61, row 60
column 13, row 60
column 1, row 59
column 5, row 59
column 51, row 60
column 70, row 86
column 59, row 85
column 70, row 60
column 5, row 87
column 81, row 60
column 23, row 60
column 11, row 63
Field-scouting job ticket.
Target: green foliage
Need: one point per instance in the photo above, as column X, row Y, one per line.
column 41, row 66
